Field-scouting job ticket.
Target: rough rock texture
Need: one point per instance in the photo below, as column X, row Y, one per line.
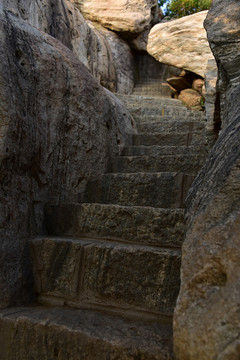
column 59, row 333
column 122, row 60
column 88, row 272
column 58, row 129
column 222, row 24
column 132, row 16
column 191, row 98
column 212, row 103
column 62, row 20
column 207, row 317
column 181, row 43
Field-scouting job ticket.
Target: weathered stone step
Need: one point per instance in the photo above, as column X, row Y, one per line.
column 154, row 90
column 156, row 150
column 170, row 139
column 189, row 116
column 104, row 274
column 187, row 164
column 51, row 333
column 173, row 126
column 164, row 110
column 162, row 190
column 131, row 224
column 147, row 100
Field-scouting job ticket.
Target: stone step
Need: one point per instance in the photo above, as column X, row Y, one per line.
column 42, row 333
column 130, row 224
column 104, row 274
column 186, row 164
column 173, row 126
column 168, row 139
column 158, row 118
column 157, row 150
column 164, row 110
column 155, row 91
column 157, row 189
column 148, row 100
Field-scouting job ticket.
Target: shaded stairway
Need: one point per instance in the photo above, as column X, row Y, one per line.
column 115, row 257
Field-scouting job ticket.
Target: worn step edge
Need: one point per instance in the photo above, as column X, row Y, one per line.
column 56, row 333
column 86, row 271
column 187, row 164
column 140, row 189
column 126, row 224
column 158, row 150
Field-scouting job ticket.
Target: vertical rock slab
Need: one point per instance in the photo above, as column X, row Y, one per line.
column 122, row 59
column 207, row 317
column 129, row 16
column 58, row 128
column 97, row 50
column 181, row 43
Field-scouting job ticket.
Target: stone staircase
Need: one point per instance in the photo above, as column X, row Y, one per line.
column 108, row 274
column 152, row 87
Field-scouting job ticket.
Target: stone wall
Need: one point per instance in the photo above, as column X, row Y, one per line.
column 99, row 51
column 207, row 317
column 58, row 129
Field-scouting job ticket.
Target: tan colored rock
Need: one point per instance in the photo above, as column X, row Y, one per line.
column 191, row 98
column 198, row 85
column 132, row 16
column 181, row 43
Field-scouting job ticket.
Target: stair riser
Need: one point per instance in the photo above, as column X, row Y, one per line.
column 83, row 272
column 163, row 190
column 149, row 101
column 168, row 139
column 185, row 164
column 171, row 126
column 142, row 225
column 162, row 111
column 162, row 150
column 159, row 118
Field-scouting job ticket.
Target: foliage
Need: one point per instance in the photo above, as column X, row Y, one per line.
column 179, row 8
column 162, row 2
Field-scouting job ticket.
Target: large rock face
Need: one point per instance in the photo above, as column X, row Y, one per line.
column 131, row 16
column 181, row 43
column 62, row 20
column 58, row 128
column 207, row 317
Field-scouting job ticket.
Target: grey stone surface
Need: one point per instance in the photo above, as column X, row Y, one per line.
column 130, row 224
column 44, row 333
column 58, row 129
column 100, row 51
column 157, row 150
column 162, row 189
column 207, row 321
column 171, row 139
column 148, row 100
column 107, row 274
column 172, row 126
column 223, row 34
column 186, row 164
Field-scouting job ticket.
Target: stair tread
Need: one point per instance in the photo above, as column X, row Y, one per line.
column 159, row 150
column 81, row 334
